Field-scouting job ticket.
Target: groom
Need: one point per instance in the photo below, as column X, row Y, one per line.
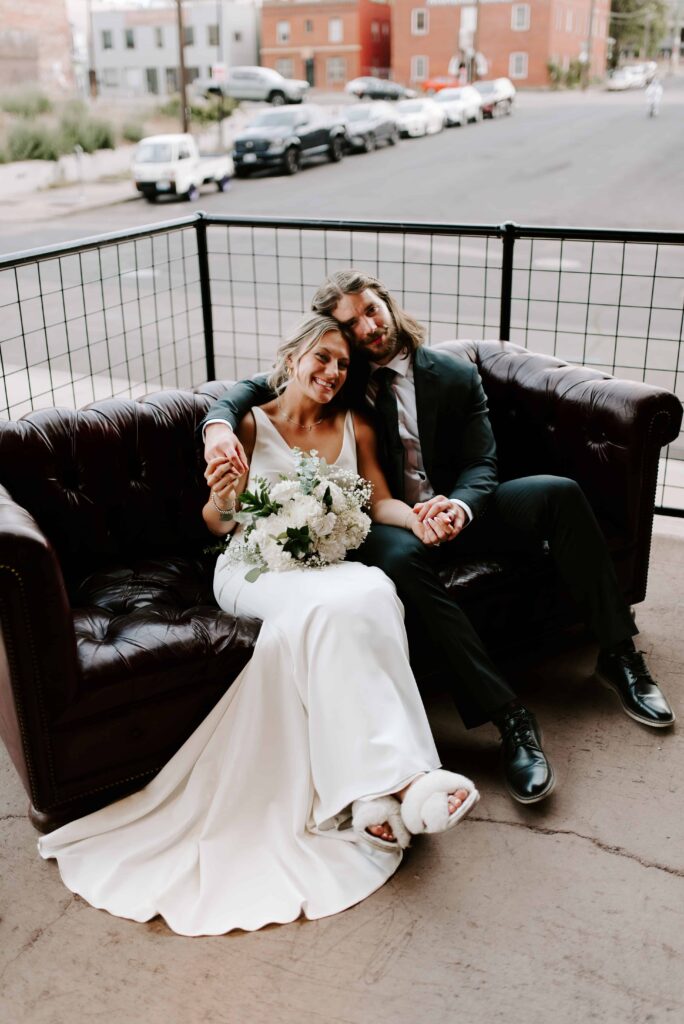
column 414, row 390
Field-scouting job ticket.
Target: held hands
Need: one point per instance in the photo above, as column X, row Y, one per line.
column 221, row 443
column 222, row 480
column 437, row 520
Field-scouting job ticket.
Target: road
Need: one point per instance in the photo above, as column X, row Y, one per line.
column 565, row 158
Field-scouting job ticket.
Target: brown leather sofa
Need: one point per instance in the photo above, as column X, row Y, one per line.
column 113, row 648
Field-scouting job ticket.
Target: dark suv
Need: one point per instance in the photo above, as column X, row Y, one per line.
column 285, row 137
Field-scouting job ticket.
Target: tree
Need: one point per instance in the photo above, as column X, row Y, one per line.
column 637, row 25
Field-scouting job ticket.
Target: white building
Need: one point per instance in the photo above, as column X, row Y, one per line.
column 135, row 48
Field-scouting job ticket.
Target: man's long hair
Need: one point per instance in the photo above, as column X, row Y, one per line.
column 410, row 333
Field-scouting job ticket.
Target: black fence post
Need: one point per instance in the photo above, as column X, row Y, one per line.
column 509, row 231
column 205, row 287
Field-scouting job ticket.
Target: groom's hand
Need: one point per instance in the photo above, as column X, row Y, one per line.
column 442, row 517
column 221, row 442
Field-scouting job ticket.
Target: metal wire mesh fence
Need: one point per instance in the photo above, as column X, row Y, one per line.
column 116, row 316
column 173, row 305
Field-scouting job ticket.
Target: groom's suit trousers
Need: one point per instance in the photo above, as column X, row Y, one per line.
column 520, row 515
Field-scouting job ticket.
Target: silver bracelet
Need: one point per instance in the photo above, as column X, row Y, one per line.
column 225, row 514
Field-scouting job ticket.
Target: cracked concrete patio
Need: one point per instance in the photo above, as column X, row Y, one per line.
column 569, row 911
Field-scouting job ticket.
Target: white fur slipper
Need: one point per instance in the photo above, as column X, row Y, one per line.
column 366, row 813
column 426, row 807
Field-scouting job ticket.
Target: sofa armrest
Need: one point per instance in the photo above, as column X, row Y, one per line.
column 552, row 417
column 38, row 667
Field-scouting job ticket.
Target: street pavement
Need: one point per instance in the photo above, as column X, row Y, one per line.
column 567, row 158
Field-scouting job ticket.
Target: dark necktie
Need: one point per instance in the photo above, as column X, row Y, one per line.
column 388, row 423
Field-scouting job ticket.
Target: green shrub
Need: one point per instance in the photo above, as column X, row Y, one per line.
column 214, row 108
column 3, row 156
column 556, row 74
column 573, row 76
column 32, row 142
column 29, row 103
column 133, row 132
column 76, row 128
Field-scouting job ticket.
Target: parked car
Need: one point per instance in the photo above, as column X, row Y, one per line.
column 497, row 96
column 255, row 83
column 460, row 105
column 285, row 138
column 420, row 117
column 619, row 80
column 172, row 165
column 433, row 85
column 638, row 74
column 371, row 123
column 369, row 88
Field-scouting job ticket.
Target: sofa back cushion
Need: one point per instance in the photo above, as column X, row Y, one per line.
column 117, row 478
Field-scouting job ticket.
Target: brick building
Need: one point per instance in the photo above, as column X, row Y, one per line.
column 326, row 42
column 517, row 40
column 35, row 45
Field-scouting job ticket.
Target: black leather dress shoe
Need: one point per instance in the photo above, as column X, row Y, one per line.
column 529, row 776
column 641, row 697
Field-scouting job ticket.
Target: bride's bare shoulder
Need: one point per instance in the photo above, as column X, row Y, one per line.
column 364, row 431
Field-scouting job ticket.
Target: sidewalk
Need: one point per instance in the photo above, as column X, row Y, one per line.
column 37, row 190
column 567, row 911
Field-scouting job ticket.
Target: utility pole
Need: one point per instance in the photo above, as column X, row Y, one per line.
column 92, row 73
column 586, row 67
column 181, row 65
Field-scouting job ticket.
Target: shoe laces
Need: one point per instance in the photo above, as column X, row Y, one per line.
column 518, row 728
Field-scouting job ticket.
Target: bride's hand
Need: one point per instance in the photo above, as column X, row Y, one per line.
column 434, row 531
column 222, row 478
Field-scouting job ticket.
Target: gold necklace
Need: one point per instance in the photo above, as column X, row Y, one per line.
column 302, row 426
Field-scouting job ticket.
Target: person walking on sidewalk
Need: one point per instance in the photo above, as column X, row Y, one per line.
column 455, row 475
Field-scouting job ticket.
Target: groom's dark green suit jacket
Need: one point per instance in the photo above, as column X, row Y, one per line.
column 456, row 437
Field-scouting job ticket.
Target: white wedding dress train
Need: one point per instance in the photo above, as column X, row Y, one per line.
column 248, row 824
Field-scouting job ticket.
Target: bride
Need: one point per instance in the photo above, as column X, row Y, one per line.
column 300, row 790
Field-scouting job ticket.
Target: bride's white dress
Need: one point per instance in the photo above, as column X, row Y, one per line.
column 248, row 823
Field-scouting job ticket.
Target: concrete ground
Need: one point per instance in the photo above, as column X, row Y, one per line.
column 571, row 911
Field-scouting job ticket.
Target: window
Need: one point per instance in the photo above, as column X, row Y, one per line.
column 213, row 35
column 191, row 74
column 419, row 22
column 110, row 77
column 335, row 31
column 152, row 80
column 517, row 65
column 107, row 40
column 559, row 18
column 308, row 25
column 188, row 35
column 283, row 32
column 159, row 38
column 419, row 68
column 237, row 37
column 129, row 39
column 375, row 29
column 568, row 20
column 385, row 28
column 285, row 67
column 172, row 80
column 336, row 68
column 520, row 17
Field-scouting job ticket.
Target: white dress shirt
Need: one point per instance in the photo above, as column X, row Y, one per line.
column 417, row 487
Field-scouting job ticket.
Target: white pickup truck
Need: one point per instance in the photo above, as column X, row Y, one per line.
column 166, row 165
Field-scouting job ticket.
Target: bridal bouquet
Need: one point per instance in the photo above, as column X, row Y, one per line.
column 311, row 517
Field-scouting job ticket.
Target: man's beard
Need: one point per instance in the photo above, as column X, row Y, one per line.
column 388, row 347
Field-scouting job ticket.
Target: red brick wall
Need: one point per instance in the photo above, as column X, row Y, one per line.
column 496, row 39
column 41, row 28
column 303, row 44
column 375, row 52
